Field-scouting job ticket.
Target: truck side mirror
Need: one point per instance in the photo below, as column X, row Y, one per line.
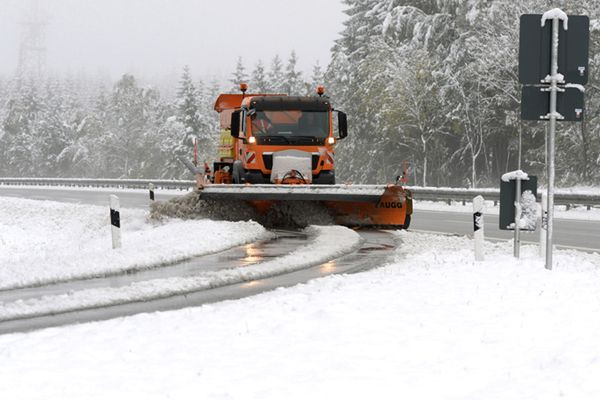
column 235, row 123
column 342, row 124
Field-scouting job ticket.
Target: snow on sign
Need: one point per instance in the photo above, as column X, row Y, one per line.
column 535, row 49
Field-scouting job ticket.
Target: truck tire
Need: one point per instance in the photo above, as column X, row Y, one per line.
column 406, row 222
column 238, row 171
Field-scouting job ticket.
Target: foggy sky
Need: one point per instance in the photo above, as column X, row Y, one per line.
column 155, row 37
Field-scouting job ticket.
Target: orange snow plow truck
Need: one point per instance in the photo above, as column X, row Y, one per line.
column 276, row 148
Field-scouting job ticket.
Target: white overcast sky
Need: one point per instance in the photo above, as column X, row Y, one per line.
column 154, row 37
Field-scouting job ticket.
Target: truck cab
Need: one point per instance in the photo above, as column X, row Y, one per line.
column 277, row 139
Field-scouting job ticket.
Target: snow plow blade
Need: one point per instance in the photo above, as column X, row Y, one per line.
column 382, row 206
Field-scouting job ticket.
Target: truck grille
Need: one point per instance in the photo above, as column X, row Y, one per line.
column 268, row 161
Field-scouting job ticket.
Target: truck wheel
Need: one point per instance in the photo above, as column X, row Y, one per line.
column 237, row 172
column 406, row 222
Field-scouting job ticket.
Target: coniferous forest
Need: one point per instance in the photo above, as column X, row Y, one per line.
column 430, row 83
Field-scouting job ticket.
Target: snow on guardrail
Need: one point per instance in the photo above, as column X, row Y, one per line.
column 562, row 196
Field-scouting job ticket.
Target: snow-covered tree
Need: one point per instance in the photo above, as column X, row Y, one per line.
column 239, row 76
column 292, row 84
column 258, row 82
column 276, row 76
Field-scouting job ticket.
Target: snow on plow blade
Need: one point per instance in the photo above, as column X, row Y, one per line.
column 351, row 205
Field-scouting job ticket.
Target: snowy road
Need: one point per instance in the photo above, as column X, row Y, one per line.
column 568, row 233
column 26, row 306
column 377, row 249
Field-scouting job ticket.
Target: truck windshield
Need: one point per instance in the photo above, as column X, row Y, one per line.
column 291, row 123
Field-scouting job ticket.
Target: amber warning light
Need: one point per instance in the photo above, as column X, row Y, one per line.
column 320, row 90
column 243, row 87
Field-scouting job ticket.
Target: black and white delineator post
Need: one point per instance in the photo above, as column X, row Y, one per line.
column 115, row 221
column 151, row 189
column 478, row 234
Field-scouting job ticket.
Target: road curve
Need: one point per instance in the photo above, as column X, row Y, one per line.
column 377, row 248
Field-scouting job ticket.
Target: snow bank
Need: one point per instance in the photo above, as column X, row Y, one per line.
column 328, row 242
column 529, row 212
column 44, row 242
column 434, row 325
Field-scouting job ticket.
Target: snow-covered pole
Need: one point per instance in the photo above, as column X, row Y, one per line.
column 544, row 224
column 556, row 15
column 195, row 142
column 517, row 245
column 151, row 190
column 478, row 227
column 115, row 221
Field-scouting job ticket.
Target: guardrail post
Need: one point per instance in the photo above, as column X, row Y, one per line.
column 115, row 221
column 478, row 227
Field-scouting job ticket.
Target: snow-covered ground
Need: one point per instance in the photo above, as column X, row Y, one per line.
column 432, row 325
column 73, row 241
column 43, row 241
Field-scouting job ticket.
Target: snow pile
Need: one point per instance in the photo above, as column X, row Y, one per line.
column 529, row 212
column 288, row 215
column 435, row 325
column 44, row 242
column 328, row 242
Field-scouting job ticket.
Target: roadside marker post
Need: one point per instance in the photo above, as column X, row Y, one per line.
column 151, row 188
column 478, row 233
column 115, row 221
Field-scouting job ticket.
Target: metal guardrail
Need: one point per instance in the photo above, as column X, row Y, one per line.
column 466, row 195
column 421, row 193
column 82, row 182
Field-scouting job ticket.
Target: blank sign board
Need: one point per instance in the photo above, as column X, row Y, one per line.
column 535, row 103
column 535, row 50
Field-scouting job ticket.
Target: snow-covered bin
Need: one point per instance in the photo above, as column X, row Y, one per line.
column 286, row 161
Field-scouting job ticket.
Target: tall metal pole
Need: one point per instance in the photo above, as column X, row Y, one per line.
column 553, row 114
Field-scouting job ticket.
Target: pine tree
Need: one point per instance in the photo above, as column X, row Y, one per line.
column 292, row 84
column 187, row 98
column 239, row 76
column 317, row 79
column 259, row 83
column 276, row 75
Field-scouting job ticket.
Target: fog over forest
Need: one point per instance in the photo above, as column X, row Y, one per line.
column 430, row 83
